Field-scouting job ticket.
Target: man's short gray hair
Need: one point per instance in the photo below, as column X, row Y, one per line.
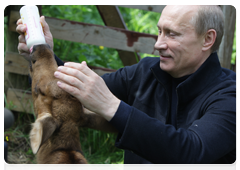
column 209, row 17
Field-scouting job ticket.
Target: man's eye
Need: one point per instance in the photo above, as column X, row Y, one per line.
column 159, row 32
column 171, row 34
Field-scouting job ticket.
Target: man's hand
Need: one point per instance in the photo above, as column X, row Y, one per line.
column 21, row 29
column 89, row 88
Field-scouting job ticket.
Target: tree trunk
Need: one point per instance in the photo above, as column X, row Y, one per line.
column 225, row 49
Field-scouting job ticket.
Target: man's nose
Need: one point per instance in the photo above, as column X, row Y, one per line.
column 161, row 43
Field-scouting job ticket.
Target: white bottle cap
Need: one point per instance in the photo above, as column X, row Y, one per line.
column 31, row 18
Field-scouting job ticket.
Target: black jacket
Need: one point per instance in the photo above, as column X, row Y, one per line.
column 206, row 114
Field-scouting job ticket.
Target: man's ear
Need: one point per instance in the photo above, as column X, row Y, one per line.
column 209, row 39
column 42, row 129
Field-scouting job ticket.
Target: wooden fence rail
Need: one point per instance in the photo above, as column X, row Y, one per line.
column 111, row 37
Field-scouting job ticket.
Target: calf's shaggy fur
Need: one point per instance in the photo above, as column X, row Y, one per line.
column 54, row 136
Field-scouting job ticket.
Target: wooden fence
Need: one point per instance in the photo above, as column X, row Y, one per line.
column 113, row 35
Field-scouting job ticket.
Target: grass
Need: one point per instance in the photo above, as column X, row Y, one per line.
column 98, row 147
column 98, row 151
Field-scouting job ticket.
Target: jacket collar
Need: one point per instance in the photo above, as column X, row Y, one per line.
column 195, row 83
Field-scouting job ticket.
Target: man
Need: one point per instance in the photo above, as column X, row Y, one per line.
column 180, row 108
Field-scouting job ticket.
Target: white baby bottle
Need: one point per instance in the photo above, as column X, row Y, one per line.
column 31, row 18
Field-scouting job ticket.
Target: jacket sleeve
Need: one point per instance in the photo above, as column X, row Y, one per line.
column 118, row 81
column 122, row 84
column 59, row 61
column 205, row 141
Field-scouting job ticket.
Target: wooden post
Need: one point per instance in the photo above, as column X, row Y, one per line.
column 112, row 17
column 236, row 63
column 225, row 49
column 11, row 79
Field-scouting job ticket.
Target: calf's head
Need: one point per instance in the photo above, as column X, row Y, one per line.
column 52, row 105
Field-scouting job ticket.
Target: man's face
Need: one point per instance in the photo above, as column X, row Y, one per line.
column 179, row 46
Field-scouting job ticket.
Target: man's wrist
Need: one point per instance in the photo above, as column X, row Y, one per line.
column 120, row 118
column 112, row 109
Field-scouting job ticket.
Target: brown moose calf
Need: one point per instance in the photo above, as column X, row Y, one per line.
column 54, row 136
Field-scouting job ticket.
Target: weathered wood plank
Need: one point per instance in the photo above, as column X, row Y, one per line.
column 153, row 8
column 101, row 72
column 102, row 36
column 15, row 63
column 117, row 38
column 21, row 100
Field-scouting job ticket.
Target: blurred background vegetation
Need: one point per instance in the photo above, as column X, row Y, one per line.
column 136, row 20
column 98, row 147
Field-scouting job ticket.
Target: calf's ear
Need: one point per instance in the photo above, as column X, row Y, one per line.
column 42, row 129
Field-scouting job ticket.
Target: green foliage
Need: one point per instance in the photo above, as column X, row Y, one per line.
column 8, row 105
column 81, row 13
column 135, row 19
column 78, row 52
column 99, row 147
column 140, row 20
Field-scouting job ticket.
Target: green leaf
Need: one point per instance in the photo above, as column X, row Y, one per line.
column 82, row 58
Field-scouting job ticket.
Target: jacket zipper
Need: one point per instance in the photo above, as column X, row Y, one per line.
column 177, row 110
column 168, row 99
